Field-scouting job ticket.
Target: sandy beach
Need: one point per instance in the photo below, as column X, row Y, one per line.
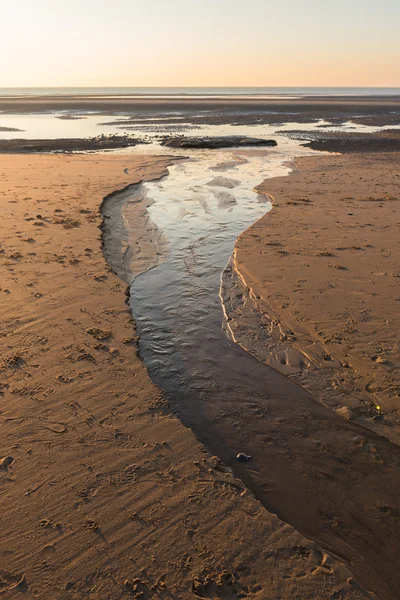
column 200, row 301
column 313, row 292
column 321, row 272
column 105, row 494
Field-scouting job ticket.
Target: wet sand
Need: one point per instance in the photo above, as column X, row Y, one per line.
column 348, row 142
column 321, row 286
column 376, row 110
column 343, row 142
column 313, row 291
column 335, row 481
column 104, row 493
column 22, row 146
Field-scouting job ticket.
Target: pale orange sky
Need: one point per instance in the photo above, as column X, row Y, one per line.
column 199, row 43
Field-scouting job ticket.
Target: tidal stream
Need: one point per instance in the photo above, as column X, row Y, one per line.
column 334, row 481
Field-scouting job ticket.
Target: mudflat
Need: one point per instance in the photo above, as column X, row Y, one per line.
column 376, row 110
column 23, row 146
column 105, row 494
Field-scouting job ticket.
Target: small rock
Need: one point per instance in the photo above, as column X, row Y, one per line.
column 378, row 418
column 382, row 360
column 242, row 457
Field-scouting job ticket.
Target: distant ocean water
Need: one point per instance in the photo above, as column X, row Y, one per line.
column 202, row 91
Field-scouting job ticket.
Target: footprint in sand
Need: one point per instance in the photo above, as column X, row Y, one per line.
column 9, row 581
column 5, row 463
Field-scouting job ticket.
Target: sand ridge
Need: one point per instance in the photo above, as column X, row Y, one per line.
column 103, row 493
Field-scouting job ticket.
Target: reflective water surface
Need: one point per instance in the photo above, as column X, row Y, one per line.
column 83, row 124
column 302, row 452
column 201, row 207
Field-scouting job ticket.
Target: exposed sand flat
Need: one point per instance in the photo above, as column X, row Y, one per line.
column 371, row 109
column 322, row 274
column 103, row 493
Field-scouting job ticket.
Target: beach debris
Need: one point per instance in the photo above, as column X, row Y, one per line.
column 242, row 457
column 379, row 416
column 380, row 359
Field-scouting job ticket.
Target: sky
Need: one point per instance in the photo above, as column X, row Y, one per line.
column 199, row 43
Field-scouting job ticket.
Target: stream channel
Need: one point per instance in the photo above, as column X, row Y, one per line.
column 333, row 480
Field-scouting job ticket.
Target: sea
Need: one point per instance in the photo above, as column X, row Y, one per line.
column 177, row 92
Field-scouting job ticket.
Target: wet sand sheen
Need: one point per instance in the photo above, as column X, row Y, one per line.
column 106, row 494
column 313, row 469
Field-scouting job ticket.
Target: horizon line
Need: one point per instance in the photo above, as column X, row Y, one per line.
column 203, row 86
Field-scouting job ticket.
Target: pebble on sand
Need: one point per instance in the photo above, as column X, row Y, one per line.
column 242, row 457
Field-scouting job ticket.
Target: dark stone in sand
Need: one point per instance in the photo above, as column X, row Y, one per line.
column 242, row 457
column 233, row 141
column 378, row 418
